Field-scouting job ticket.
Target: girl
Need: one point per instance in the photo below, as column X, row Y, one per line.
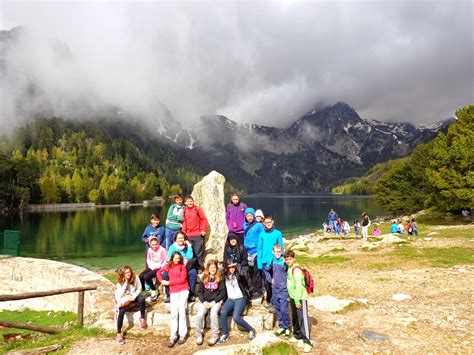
column 156, row 260
column 179, row 291
column 356, row 227
column 237, row 253
column 211, row 293
column 128, row 293
column 252, row 230
column 235, row 217
column 376, row 231
column 184, row 247
column 346, row 228
column 237, row 296
column 365, row 225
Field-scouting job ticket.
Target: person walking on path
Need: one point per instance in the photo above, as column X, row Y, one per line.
column 365, row 225
column 235, row 217
column 195, row 225
column 174, row 220
column 332, row 219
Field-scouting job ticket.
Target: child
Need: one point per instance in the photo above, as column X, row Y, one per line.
column 153, row 230
column 376, row 231
column 356, row 227
column 128, row 293
column 156, row 259
column 408, row 228
column 346, row 228
column 394, row 227
column 280, row 291
column 195, row 225
column 184, row 247
column 259, row 216
column 237, row 296
column 414, row 227
column 211, row 293
column 298, row 302
column 252, row 230
column 237, row 253
column 266, row 240
column 365, row 225
column 235, row 216
column 400, row 227
column 179, row 291
column 174, row 220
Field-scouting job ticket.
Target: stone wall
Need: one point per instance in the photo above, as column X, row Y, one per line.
column 21, row 275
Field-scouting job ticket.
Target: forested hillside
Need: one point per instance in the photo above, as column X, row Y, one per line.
column 52, row 160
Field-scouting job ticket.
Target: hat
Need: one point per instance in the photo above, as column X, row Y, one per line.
column 230, row 262
column 259, row 213
column 151, row 238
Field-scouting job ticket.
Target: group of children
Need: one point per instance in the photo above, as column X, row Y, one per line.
column 338, row 225
column 397, row 227
column 254, row 260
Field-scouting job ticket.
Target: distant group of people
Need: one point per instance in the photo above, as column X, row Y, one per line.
column 337, row 225
column 254, row 265
column 410, row 228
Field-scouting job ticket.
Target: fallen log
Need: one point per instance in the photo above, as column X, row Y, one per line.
column 38, row 328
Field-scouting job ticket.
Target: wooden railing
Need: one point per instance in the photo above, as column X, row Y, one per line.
column 22, row 296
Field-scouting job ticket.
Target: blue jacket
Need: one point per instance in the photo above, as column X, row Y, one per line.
column 278, row 273
column 252, row 233
column 151, row 231
column 266, row 240
column 393, row 228
column 332, row 216
column 186, row 252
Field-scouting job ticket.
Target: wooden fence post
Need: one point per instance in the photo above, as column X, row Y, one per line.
column 80, row 308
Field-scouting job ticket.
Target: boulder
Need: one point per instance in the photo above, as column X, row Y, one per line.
column 329, row 303
column 369, row 335
column 209, row 195
column 400, row 297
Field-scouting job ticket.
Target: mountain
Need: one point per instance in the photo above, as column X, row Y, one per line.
column 322, row 147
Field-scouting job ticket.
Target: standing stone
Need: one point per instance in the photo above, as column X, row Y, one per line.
column 209, row 195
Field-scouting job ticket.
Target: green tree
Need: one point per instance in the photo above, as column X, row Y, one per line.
column 49, row 190
column 451, row 167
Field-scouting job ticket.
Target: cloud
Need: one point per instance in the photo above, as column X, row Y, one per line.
column 255, row 62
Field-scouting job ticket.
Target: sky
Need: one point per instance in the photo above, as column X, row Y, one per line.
column 262, row 62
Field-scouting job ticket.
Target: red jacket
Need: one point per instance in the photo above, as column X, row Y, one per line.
column 178, row 276
column 194, row 221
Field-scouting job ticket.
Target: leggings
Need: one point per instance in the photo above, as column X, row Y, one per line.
column 141, row 304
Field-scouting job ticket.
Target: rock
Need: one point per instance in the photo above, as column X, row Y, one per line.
column 391, row 239
column 339, row 322
column 364, row 301
column 254, row 347
column 328, row 303
column 427, row 239
column 450, row 318
column 369, row 335
column 406, row 321
column 209, row 195
column 269, row 321
column 401, row 297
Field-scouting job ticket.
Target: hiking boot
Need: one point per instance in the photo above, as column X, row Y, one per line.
column 143, row 324
column 223, row 339
column 199, row 339
column 172, row 342
column 120, row 339
column 252, row 335
column 213, row 340
column 307, row 348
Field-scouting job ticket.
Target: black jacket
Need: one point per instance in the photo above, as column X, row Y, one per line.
column 211, row 291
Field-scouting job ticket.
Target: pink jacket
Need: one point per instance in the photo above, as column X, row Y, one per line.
column 156, row 259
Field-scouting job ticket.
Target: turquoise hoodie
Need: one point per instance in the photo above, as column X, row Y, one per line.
column 251, row 234
column 266, row 240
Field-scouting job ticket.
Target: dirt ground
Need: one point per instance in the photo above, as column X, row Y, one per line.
column 437, row 319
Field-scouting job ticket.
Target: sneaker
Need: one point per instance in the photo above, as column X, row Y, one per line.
column 292, row 339
column 181, row 341
column 154, row 296
column 172, row 343
column 167, row 299
column 147, row 287
column 287, row 333
column 213, row 340
column 223, row 338
column 199, row 339
column 120, row 339
column 257, row 296
column 143, row 324
column 280, row 332
column 252, row 335
column 307, row 348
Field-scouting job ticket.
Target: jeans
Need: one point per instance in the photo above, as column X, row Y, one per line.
column 169, row 238
column 214, row 315
column 237, row 306
column 178, row 323
column 141, row 304
column 197, row 243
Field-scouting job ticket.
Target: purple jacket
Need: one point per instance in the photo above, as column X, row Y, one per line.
column 234, row 217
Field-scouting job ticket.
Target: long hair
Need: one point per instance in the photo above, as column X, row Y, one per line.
column 175, row 236
column 226, row 269
column 206, row 275
column 121, row 275
column 170, row 262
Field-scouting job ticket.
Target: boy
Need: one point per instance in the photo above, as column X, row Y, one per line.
column 174, row 220
column 195, row 226
column 153, row 230
column 298, row 302
column 280, row 291
column 266, row 240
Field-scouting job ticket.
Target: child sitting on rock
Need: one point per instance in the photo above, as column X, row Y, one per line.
column 156, row 259
column 128, row 294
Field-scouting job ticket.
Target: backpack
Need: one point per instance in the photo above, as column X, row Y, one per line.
column 307, row 279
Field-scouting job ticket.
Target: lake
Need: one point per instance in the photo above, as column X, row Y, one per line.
column 114, row 231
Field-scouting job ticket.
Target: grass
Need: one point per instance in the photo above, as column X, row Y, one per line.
column 445, row 257
column 279, row 348
column 31, row 339
column 337, row 250
column 322, row 259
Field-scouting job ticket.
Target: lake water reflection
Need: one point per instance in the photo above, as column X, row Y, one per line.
column 115, row 231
